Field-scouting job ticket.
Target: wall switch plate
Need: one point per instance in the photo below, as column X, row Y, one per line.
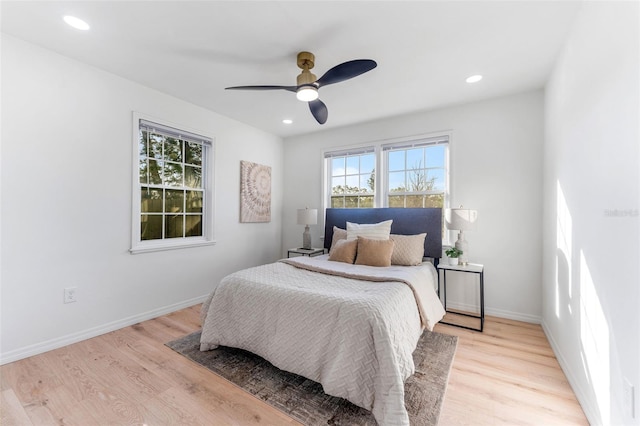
column 629, row 398
column 70, row 294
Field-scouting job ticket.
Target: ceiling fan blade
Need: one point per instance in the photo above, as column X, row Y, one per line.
column 345, row 71
column 289, row 88
column 319, row 111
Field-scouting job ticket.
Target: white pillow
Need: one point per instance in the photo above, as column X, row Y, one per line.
column 372, row 231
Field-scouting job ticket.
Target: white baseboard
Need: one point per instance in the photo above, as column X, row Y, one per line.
column 69, row 339
column 500, row 313
column 583, row 396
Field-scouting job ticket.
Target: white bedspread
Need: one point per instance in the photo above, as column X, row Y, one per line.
column 355, row 337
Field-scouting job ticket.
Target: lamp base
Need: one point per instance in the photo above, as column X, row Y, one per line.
column 306, row 238
column 463, row 246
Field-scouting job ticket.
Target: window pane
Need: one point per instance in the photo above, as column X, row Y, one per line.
column 154, row 172
column 174, row 200
column 172, row 174
column 193, row 226
column 142, row 144
column 417, row 180
column 353, row 184
column 366, row 201
column 367, row 163
column 396, row 160
column 415, row 158
column 150, row 227
column 173, row 149
column 435, row 177
column 396, row 182
column 151, row 200
column 414, row 201
column 193, row 153
column 194, row 201
column 435, row 156
column 173, row 226
column 192, row 177
column 337, row 202
column 155, row 146
column 353, row 165
column 337, row 166
column 396, row 201
column 367, row 183
column 337, row 185
column 351, row 202
column 436, row 200
column 143, row 170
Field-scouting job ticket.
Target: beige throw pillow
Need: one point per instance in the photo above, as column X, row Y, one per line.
column 373, row 231
column 338, row 234
column 374, row 252
column 344, row 251
column 408, row 249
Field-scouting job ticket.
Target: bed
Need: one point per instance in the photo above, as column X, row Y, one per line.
column 351, row 327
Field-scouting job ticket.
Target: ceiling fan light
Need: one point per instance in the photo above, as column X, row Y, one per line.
column 307, row 93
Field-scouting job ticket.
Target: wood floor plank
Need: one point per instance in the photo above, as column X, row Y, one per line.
column 507, row 375
column 12, row 413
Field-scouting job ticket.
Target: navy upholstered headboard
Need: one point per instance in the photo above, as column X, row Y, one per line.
column 408, row 221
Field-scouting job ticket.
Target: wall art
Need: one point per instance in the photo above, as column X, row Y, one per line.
column 255, row 192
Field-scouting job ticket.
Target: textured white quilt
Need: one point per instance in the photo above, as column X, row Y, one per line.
column 354, row 336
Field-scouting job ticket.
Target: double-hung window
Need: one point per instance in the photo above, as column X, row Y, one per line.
column 416, row 172
column 408, row 172
column 352, row 177
column 172, row 191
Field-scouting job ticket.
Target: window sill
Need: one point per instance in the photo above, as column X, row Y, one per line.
column 150, row 247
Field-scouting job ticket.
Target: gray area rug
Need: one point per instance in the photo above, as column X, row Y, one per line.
column 305, row 400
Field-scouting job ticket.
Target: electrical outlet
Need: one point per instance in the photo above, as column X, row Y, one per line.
column 629, row 398
column 70, row 294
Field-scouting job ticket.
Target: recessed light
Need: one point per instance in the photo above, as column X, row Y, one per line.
column 76, row 23
column 474, row 78
column 287, row 121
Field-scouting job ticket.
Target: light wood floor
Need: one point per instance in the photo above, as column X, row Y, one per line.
column 506, row 375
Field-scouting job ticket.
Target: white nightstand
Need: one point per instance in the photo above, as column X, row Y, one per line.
column 473, row 268
column 314, row 251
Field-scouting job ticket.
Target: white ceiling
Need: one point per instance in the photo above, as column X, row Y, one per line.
column 193, row 50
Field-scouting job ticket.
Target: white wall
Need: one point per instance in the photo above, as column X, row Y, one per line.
column 66, row 203
column 591, row 304
column 496, row 166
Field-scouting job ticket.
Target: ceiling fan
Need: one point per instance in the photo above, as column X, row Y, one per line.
column 308, row 84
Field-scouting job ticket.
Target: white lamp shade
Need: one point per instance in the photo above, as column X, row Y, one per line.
column 307, row 216
column 461, row 219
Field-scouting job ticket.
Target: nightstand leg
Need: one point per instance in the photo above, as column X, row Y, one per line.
column 444, row 287
column 481, row 300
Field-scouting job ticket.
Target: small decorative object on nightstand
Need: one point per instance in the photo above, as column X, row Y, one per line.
column 453, row 254
column 473, row 268
column 307, row 217
column 305, row 252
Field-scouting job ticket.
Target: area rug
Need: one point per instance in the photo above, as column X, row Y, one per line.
column 305, row 401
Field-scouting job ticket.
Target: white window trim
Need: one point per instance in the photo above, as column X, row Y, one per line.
column 139, row 246
column 382, row 184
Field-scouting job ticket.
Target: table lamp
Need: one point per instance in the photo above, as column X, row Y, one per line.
column 307, row 217
column 461, row 220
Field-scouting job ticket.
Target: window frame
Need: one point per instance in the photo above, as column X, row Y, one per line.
column 405, row 144
column 208, row 172
column 328, row 155
column 381, row 150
